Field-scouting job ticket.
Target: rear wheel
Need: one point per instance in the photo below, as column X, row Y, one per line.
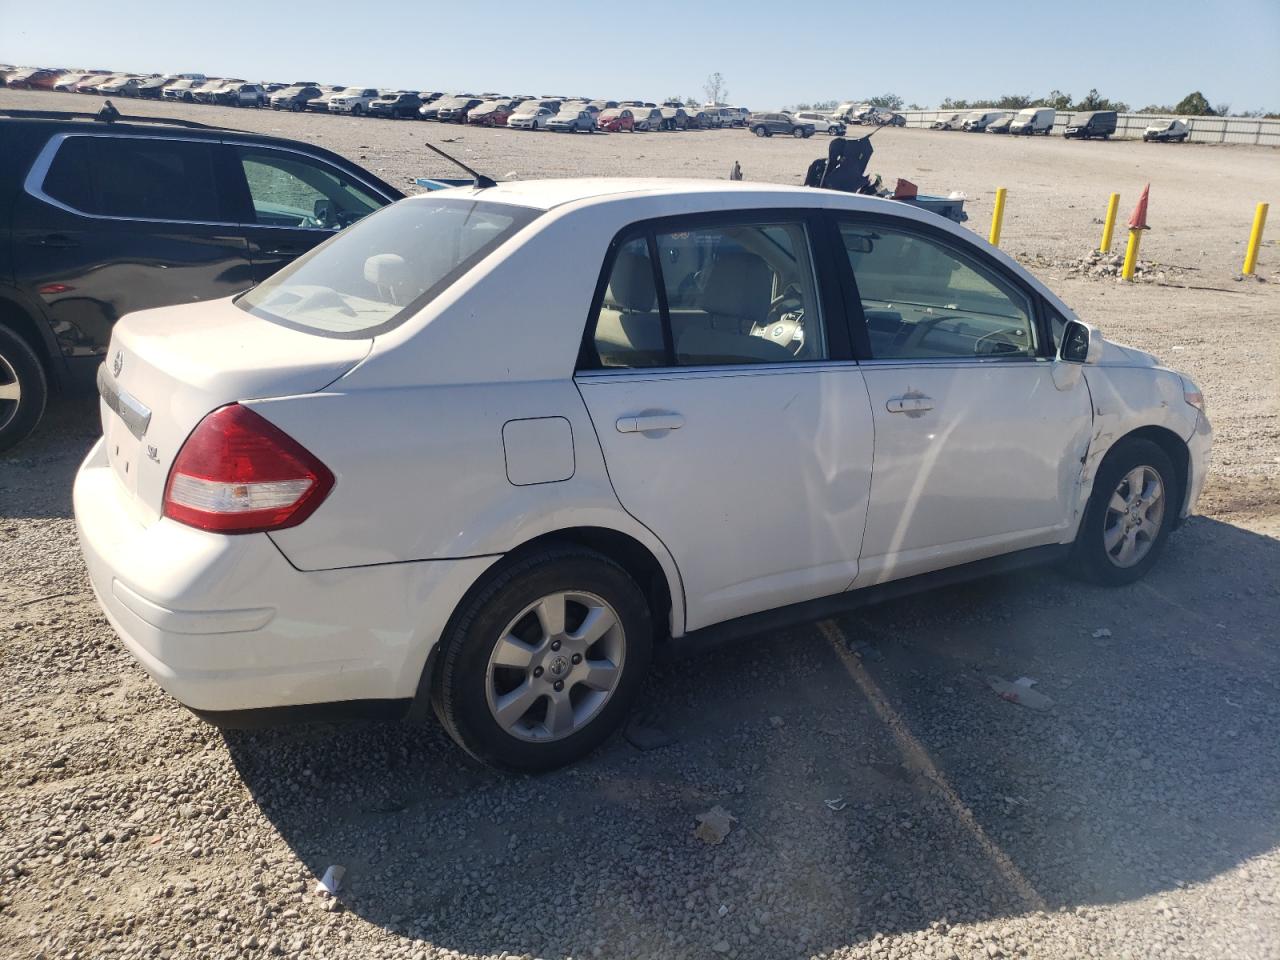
column 1130, row 512
column 24, row 389
column 542, row 663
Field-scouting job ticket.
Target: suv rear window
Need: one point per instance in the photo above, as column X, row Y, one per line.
column 373, row 275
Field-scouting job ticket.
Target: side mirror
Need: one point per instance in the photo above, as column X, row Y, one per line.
column 1081, row 343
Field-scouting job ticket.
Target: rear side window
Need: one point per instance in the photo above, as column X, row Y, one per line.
column 154, row 179
column 373, row 275
column 135, row 177
column 737, row 293
column 68, row 178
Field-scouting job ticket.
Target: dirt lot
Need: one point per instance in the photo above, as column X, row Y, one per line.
column 1139, row 817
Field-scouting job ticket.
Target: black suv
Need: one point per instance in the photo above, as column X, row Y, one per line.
column 101, row 219
column 767, row 124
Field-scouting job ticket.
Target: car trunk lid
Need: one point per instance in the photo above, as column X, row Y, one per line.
column 167, row 368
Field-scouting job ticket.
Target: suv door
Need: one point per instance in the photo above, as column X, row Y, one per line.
column 291, row 201
column 978, row 437
column 733, row 422
column 112, row 223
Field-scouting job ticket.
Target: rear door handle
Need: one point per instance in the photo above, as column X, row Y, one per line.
column 909, row 404
column 56, row 240
column 650, row 422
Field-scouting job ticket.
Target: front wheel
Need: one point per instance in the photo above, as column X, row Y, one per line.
column 1135, row 501
column 24, row 389
column 759, row 131
column 540, row 666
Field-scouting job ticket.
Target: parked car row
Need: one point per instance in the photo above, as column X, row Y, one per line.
column 1029, row 121
column 568, row 115
column 556, row 114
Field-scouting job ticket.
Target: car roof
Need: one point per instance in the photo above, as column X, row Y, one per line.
column 548, row 194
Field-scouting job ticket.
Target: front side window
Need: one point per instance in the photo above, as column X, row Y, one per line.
column 731, row 294
column 924, row 300
column 289, row 190
column 372, row 276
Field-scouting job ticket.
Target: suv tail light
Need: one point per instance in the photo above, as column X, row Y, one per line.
column 239, row 473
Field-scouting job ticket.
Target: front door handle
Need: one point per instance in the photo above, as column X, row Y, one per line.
column 916, row 404
column 650, row 422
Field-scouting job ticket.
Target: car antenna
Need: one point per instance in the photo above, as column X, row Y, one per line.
column 481, row 181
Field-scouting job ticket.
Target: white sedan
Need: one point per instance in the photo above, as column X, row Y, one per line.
column 532, row 117
column 488, row 447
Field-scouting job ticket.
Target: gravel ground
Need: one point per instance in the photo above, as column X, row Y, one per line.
column 1136, row 817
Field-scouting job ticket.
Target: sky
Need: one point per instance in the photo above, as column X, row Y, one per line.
column 770, row 54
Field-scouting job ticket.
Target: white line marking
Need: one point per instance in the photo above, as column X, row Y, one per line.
column 918, row 759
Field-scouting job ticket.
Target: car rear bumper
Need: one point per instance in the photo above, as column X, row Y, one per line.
column 226, row 624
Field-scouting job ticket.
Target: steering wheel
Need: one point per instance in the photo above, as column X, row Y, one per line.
column 785, row 325
column 990, row 344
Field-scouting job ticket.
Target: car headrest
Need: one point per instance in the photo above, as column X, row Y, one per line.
column 631, row 284
column 740, row 284
column 384, row 269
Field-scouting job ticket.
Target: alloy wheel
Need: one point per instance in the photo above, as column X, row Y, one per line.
column 555, row 666
column 1135, row 514
column 10, row 392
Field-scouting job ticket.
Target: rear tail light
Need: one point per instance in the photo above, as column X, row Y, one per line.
column 239, row 473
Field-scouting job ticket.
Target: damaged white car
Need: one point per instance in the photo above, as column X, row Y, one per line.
column 490, row 447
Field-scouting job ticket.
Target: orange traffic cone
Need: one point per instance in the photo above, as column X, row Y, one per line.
column 1137, row 223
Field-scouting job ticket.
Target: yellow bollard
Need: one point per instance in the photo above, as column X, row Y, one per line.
column 997, row 217
column 1255, row 239
column 1131, row 255
column 1109, row 225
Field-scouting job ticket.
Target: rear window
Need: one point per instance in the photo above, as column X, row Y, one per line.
column 373, row 275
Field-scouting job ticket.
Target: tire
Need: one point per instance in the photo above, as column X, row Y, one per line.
column 21, row 373
column 1091, row 558
column 466, row 685
column 357, row 110
column 797, row 132
column 759, row 131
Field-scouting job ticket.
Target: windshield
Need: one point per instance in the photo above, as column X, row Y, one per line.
column 374, row 274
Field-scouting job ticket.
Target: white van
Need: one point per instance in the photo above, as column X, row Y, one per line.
column 1034, row 120
column 979, row 120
